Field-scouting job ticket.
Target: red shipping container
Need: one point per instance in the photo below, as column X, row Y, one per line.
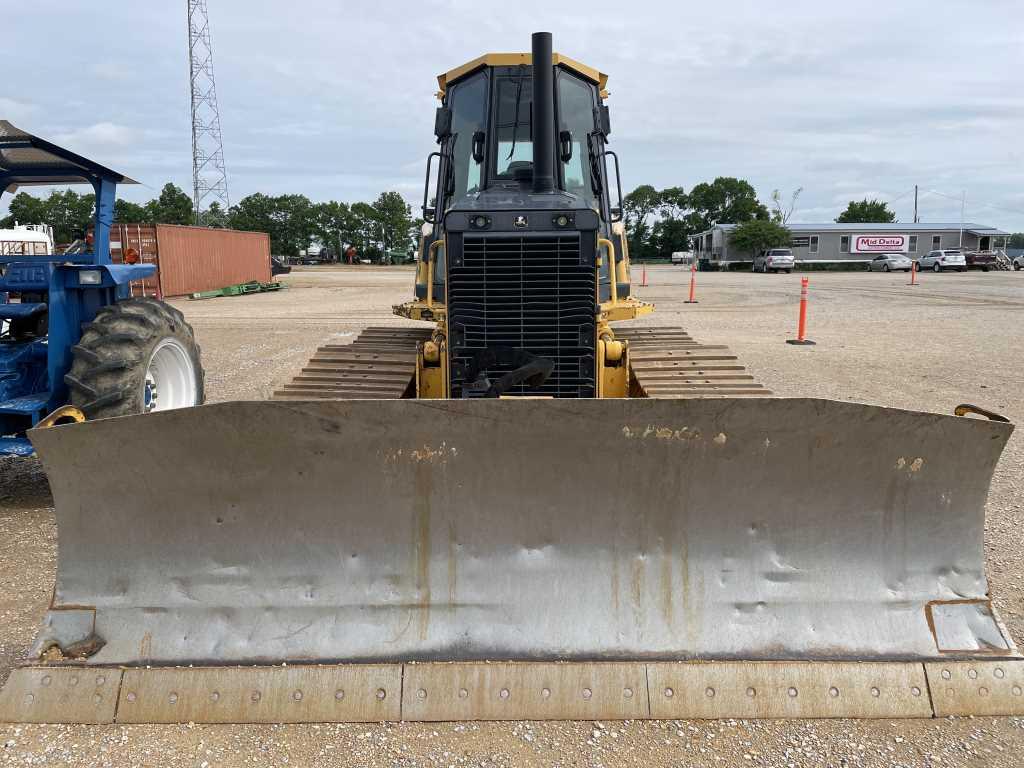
column 191, row 259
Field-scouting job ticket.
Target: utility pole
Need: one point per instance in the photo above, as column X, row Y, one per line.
column 963, row 204
column 915, row 204
column 209, row 176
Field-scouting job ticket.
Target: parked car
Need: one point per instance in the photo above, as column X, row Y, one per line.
column 774, row 260
column 943, row 260
column 983, row 260
column 1018, row 262
column 684, row 258
column 890, row 262
column 278, row 267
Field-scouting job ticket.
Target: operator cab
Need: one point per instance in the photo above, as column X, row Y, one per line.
column 486, row 130
column 510, row 161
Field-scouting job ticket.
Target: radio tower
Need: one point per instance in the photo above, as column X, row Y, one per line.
column 209, row 177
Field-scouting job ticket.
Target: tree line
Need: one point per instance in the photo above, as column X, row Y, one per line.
column 658, row 222
column 382, row 230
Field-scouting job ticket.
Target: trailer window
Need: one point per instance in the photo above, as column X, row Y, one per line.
column 844, row 244
column 469, row 115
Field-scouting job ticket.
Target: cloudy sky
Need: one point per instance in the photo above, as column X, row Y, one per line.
column 335, row 100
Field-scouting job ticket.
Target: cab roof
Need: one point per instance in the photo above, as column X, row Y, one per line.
column 517, row 59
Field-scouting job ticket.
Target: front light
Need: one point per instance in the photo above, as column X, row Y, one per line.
column 90, row 277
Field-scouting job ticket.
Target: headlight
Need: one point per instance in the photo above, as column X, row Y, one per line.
column 90, row 277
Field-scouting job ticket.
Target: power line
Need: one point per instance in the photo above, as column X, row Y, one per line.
column 980, row 205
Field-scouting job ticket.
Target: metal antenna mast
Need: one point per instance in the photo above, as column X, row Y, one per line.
column 209, row 177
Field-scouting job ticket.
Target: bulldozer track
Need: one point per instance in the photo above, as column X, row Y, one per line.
column 379, row 365
column 666, row 362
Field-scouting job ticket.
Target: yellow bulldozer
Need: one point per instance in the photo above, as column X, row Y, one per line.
column 526, row 508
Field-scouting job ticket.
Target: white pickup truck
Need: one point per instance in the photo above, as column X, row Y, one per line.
column 683, row 258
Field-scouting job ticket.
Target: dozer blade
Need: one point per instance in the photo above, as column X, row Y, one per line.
column 797, row 535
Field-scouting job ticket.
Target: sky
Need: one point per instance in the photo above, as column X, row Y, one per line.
column 336, row 100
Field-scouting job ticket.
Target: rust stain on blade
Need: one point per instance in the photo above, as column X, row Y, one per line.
column 452, row 565
column 424, row 487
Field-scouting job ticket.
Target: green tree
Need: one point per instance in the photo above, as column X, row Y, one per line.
column 69, row 213
column 293, row 216
column 670, row 232
column 130, row 213
column 394, row 219
column 215, row 216
column 866, row 212
column 726, row 200
column 668, row 236
column 333, row 225
column 26, row 209
column 252, row 213
column 637, row 208
column 758, row 234
column 1016, row 240
column 173, row 206
column 366, row 232
column 288, row 219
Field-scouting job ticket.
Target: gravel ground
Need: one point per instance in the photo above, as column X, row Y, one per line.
column 953, row 339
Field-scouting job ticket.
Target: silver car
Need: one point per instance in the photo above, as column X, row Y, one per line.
column 940, row 261
column 774, row 260
column 1018, row 262
column 890, row 262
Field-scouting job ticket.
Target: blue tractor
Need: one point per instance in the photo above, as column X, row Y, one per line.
column 74, row 344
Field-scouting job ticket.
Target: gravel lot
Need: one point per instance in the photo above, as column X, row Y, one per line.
column 954, row 338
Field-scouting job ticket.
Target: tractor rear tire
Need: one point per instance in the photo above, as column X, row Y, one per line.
column 112, row 373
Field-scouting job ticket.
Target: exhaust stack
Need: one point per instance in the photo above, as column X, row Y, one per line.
column 543, row 114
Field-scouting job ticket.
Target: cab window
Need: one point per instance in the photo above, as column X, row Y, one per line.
column 468, row 102
column 576, row 116
column 513, row 124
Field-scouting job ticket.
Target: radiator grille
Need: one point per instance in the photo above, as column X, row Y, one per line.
column 529, row 292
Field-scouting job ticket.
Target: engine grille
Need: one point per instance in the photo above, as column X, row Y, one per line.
column 529, row 292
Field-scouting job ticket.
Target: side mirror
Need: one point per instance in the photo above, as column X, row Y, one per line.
column 565, row 146
column 478, row 147
column 428, row 210
column 443, row 122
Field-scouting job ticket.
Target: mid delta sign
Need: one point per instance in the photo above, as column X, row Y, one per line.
column 879, row 243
